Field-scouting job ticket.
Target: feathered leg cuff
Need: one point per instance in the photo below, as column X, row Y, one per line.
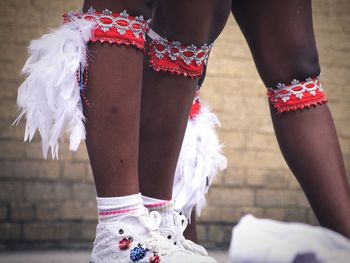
column 56, row 74
column 200, row 160
column 176, row 58
column 298, row 95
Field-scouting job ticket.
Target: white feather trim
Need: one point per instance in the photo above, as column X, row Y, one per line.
column 199, row 162
column 49, row 98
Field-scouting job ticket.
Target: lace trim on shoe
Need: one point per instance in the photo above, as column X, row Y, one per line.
column 298, row 95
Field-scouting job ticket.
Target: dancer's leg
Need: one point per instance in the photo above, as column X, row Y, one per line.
column 281, row 38
column 191, row 230
column 125, row 232
column 114, row 93
column 167, row 98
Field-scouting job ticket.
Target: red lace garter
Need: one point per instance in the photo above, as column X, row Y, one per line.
column 298, row 95
column 176, row 58
column 114, row 28
column 121, row 28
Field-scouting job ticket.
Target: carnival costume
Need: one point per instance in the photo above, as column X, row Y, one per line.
column 51, row 99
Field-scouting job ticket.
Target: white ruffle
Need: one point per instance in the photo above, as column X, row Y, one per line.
column 49, row 98
column 199, row 162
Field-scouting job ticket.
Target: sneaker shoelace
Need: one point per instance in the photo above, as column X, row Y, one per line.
column 156, row 242
column 180, row 224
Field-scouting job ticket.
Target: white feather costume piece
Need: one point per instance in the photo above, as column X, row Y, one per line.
column 49, row 98
column 199, row 162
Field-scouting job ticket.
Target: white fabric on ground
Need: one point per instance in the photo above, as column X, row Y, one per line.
column 263, row 240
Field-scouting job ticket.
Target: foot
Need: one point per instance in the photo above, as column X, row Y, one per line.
column 135, row 238
column 176, row 236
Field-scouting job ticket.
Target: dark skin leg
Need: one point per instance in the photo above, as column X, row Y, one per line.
column 114, row 92
column 191, row 230
column 166, row 99
column 322, row 175
column 280, row 36
column 106, row 173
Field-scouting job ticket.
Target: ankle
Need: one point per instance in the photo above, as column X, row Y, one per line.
column 112, row 208
column 164, row 207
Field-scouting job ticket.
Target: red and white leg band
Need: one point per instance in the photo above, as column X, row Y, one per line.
column 298, row 95
column 176, row 58
column 121, row 28
column 114, row 28
column 52, row 102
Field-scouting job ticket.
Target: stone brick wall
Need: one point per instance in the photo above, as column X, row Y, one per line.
column 52, row 203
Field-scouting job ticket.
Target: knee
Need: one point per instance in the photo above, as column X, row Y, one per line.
column 294, row 60
column 221, row 12
column 286, row 60
column 150, row 3
column 182, row 32
column 149, row 6
column 302, row 59
column 305, row 61
column 201, row 21
column 300, row 64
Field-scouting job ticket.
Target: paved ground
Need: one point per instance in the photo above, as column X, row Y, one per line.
column 54, row 256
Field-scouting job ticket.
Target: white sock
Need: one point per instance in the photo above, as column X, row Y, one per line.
column 164, row 207
column 110, row 208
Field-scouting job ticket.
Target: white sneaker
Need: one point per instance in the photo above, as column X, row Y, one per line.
column 176, row 235
column 135, row 238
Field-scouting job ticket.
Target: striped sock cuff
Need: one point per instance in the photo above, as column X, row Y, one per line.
column 110, row 208
column 153, row 204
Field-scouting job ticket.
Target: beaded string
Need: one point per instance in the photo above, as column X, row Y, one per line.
column 82, row 78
